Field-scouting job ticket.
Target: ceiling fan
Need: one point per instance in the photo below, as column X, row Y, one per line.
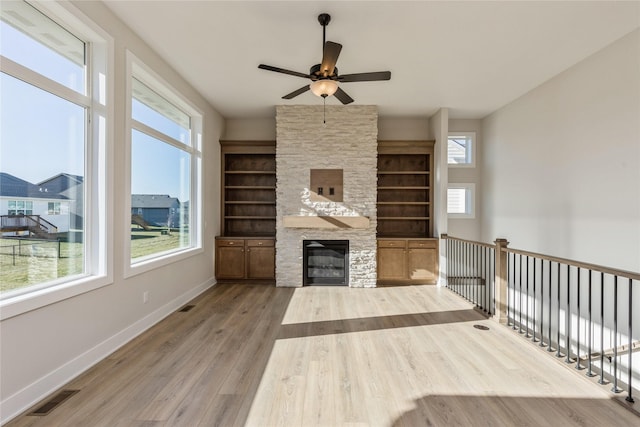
column 324, row 76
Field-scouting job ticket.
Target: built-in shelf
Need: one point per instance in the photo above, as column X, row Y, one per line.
column 405, row 189
column 249, row 189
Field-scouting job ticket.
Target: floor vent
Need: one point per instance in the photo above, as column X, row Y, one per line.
column 186, row 308
column 53, row 403
column 481, row 327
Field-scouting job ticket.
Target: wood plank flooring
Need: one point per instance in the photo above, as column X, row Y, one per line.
column 257, row 355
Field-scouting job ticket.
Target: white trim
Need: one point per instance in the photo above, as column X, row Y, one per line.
column 15, row 404
column 98, row 184
column 135, row 68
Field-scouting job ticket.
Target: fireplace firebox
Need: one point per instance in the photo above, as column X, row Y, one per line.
column 326, row 262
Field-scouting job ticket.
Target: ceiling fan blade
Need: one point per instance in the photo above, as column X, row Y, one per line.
column 283, row 71
column 343, row 97
column 330, row 55
column 365, row 77
column 295, row 93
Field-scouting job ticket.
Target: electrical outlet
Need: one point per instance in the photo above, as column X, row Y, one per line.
column 145, row 297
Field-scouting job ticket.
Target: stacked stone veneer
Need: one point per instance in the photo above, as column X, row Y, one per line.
column 347, row 141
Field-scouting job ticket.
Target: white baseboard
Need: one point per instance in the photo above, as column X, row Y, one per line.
column 20, row 401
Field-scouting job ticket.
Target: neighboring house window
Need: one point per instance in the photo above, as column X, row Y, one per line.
column 461, row 149
column 461, row 200
column 53, row 121
column 20, row 207
column 165, row 168
column 54, row 208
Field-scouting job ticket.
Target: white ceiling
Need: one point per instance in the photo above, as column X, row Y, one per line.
column 472, row 57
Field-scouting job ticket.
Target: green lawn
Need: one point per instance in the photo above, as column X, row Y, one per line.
column 40, row 261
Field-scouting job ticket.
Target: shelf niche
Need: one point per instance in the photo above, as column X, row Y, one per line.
column 249, row 188
column 405, row 189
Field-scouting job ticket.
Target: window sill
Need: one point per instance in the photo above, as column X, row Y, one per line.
column 159, row 261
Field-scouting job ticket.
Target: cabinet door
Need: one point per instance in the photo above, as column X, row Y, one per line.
column 230, row 261
column 422, row 264
column 261, row 259
column 391, row 263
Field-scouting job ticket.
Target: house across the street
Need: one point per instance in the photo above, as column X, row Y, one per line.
column 159, row 210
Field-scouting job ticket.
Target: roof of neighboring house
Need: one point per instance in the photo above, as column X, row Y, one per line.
column 12, row 186
column 153, row 201
column 61, row 182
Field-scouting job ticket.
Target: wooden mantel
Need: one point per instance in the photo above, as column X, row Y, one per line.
column 325, row 221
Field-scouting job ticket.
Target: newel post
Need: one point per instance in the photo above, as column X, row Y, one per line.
column 501, row 280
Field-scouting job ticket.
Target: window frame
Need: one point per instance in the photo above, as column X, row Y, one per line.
column 470, row 197
column 97, row 101
column 137, row 69
column 471, row 136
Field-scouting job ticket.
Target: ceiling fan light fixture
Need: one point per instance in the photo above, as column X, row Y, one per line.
column 324, row 87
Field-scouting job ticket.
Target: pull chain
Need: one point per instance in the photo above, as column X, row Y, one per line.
column 324, row 110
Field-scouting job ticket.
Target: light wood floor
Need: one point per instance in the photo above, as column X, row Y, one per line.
column 332, row 356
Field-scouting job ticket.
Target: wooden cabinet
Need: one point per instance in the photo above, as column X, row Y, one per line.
column 230, row 259
column 248, row 188
column 246, row 249
column 407, row 261
column 260, row 259
column 238, row 259
column 406, row 251
column 391, row 260
column 405, row 189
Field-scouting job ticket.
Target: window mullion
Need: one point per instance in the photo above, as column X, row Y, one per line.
column 160, row 136
column 33, row 78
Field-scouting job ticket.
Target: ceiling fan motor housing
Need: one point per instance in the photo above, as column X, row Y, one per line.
column 316, row 74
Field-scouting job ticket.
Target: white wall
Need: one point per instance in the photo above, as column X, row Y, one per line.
column 439, row 130
column 260, row 129
column 561, row 165
column 389, row 129
column 467, row 228
column 44, row 348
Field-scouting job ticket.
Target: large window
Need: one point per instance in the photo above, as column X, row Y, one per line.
column 53, row 123
column 460, row 149
column 165, row 159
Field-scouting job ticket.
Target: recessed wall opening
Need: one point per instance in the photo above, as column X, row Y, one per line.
column 326, row 262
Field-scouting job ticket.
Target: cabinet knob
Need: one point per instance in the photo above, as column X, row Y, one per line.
column 259, row 243
column 231, row 243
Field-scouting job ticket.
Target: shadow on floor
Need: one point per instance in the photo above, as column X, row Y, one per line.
column 447, row 410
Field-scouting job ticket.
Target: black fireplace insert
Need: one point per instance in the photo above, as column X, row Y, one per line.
column 326, row 262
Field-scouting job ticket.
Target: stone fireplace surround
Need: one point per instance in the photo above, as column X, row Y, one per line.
column 348, row 141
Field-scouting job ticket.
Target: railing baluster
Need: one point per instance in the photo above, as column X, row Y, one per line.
column 527, row 315
column 629, row 397
column 492, row 276
column 541, row 303
column 590, row 332
column 535, row 296
column 578, row 325
column 615, row 388
column 520, row 291
column 476, row 274
column 512, row 269
column 568, row 316
column 558, row 301
column 601, row 380
column 456, row 261
column 549, row 349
